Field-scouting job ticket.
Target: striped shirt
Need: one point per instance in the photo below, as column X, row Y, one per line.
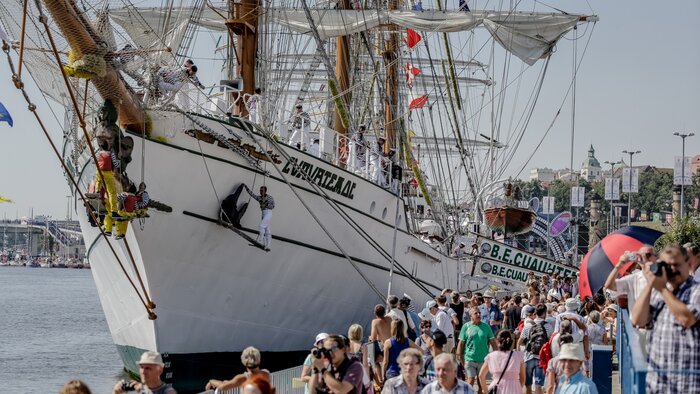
column 672, row 346
column 266, row 202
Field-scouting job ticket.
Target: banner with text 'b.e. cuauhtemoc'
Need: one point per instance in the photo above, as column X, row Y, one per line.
column 512, row 264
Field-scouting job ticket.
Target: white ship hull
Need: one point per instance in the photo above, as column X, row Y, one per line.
column 215, row 293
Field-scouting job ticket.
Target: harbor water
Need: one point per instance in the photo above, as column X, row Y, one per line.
column 52, row 329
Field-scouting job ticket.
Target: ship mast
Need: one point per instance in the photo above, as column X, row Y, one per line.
column 392, row 83
column 341, row 72
column 243, row 24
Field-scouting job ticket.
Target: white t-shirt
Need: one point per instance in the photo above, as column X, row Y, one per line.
column 632, row 285
column 443, row 322
column 397, row 314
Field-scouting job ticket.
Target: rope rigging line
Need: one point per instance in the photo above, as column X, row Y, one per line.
column 556, row 115
column 44, row 20
column 340, row 211
column 32, row 108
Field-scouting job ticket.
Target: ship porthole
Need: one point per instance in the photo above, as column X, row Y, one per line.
column 372, row 206
column 384, row 213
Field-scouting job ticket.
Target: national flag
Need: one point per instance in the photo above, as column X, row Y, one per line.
column 412, row 38
column 4, row 115
column 418, row 103
column 5, row 199
column 411, row 69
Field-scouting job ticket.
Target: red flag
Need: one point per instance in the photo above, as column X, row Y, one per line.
column 412, row 38
column 411, row 69
column 418, row 103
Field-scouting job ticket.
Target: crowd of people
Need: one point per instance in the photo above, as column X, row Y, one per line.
column 472, row 342
column 469, row 343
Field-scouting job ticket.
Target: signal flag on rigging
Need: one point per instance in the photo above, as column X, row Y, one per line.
column 418, row 103
column 412, row 38
column 4, row 115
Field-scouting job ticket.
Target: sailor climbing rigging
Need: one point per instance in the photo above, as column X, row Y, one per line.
column 107, row 162
column 267, row 204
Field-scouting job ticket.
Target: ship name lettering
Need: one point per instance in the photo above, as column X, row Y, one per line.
column 323, row 178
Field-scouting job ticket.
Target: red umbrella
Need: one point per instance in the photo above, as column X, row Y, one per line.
column 601, row 259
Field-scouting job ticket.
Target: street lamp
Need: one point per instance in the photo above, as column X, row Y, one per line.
column 612, row 188
column 683, row 137
column 629, row 193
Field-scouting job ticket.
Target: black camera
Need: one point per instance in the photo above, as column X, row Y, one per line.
column 659, row 266
column 127, row 387
column 321, row 353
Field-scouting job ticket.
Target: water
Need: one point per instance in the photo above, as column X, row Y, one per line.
column 52, row 330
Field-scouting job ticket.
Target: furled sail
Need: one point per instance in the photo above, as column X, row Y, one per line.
column 529, row 36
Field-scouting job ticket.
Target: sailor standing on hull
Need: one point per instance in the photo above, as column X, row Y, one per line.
column 301, row 123
column 267, row 204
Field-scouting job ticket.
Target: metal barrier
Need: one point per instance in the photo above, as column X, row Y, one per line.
column 282, row 380
column 632, row 364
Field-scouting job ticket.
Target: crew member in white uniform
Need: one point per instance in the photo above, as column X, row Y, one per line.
column 253, row 105
column 376, row 162
column 267, row 204
column 301, row 123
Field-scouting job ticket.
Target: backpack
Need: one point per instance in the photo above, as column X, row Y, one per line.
column 537, row 339
column 546, row 354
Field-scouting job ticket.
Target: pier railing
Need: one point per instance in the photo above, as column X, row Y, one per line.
column 283, row 381
column 633, row 364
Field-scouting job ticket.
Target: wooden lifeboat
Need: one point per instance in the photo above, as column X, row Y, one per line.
column 510, row 220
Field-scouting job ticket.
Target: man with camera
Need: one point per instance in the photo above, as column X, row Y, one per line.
column 630, row 286
column 333, row 371
column 150, row 368
column 673, row 313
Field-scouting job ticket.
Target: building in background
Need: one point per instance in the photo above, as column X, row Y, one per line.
column 590, row 169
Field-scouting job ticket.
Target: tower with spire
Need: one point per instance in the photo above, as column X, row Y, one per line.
column 590, row 169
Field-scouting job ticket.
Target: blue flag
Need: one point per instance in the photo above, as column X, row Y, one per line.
column 4, row 115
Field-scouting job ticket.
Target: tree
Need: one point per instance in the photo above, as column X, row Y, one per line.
column 682, row 231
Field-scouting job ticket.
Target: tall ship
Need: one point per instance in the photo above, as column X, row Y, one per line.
column 449, row 90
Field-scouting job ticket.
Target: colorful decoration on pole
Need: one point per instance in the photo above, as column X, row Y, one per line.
column 600, row 260
column 560, row 224
column 5, row 116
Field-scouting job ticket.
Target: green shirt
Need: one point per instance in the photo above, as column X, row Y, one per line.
column 476, row 341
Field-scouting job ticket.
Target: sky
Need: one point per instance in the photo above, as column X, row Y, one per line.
column 639, row 82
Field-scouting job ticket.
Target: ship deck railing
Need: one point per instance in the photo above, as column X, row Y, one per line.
column 336, row 148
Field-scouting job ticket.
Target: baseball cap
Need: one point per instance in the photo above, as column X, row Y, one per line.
column 320, row 337
column 529, row 309
column 431, row 304
column 439, row 337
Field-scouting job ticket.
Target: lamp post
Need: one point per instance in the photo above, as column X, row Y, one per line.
column 683, row 137
column 612, row 188
column 629, row 193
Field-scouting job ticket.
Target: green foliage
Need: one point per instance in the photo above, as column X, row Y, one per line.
column 682, row 231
